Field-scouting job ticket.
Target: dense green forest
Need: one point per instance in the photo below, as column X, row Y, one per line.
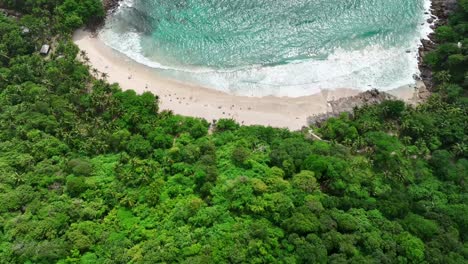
column 92, row 174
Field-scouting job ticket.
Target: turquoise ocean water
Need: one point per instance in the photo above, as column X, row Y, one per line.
column 274, row 47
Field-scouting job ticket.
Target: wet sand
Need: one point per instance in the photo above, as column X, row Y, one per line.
column 190, row 100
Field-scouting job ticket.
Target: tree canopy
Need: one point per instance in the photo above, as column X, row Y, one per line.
column 93, row 174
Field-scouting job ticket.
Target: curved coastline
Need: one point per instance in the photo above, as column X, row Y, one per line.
column 378, row 64
column 192, row 100
column 197, row 101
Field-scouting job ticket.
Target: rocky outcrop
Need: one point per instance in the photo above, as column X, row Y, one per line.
column 443, row 8
column 110, row 5
column 347, row 104
column 440, row 11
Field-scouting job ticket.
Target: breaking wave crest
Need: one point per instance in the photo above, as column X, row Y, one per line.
column 275, row 47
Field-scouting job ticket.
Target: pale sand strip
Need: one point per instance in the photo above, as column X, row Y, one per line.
column 188, row 100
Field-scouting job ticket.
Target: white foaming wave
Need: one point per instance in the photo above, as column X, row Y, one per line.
column 129, row 44
column 126, row 3
column 424, row 29
column 372, row 67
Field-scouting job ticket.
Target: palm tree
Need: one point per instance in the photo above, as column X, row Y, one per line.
column 86, row 60
column 83, row 54
column 104, row 75
column 95, row 72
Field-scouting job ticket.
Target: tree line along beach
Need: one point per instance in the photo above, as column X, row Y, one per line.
column 91, row 173
column 194, row 100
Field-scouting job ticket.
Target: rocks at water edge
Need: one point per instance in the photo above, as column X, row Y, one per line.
column 110, row 5
column 440, row 10
column 347, row 104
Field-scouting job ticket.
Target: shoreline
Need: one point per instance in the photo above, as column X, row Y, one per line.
column 439, row 14
column 373, row 66
column 293, row 113
column 190, row 100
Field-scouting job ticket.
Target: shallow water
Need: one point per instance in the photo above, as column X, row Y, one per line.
column 273, row 47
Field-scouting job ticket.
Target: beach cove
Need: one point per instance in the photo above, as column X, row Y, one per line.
column 197, row 101
column 206, row 93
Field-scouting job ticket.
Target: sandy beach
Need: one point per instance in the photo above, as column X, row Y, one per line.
column 189, row 100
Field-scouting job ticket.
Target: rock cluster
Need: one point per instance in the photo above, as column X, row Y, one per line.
column 347, row 104
column 440, row 11
column 110, row 5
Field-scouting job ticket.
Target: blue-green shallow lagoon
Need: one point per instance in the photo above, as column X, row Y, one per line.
column 274, row 47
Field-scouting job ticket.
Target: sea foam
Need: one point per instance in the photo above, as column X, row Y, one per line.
column 380, row 66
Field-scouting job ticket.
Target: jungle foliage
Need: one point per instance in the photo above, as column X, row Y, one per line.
column 93, row 174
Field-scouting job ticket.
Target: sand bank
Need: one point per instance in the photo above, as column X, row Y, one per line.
column 189, row 100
